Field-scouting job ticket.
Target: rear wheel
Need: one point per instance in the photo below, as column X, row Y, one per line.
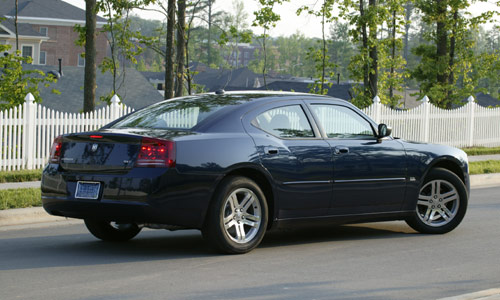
column 237, row 218
column 112, row 231
column 441, row 204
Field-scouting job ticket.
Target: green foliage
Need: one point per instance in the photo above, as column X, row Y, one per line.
column 20, row 198
column 482, row 150
column 16, row 82
column 484, row 167
column 20, row 176
column 449, row 69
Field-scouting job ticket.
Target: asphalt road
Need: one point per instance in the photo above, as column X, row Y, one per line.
column 366, row 261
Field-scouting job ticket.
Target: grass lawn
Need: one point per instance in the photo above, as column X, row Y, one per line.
column 20, row 175
column 484, row 167
column 482, row 150
column 19, row 198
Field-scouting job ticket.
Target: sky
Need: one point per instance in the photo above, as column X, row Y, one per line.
column 290, row 23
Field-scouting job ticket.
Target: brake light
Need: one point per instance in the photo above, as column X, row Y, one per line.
column 55, row 151
column 156, row 153
column 96, row 136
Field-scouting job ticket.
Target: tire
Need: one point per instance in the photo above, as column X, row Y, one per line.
column 111, row 231
column 237, row 217
column 441, row 203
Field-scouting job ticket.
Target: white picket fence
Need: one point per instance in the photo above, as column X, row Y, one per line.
column 27, row 131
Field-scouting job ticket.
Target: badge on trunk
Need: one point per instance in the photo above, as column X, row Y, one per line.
column 94, row 147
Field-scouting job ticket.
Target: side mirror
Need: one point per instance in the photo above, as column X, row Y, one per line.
column 383, row 131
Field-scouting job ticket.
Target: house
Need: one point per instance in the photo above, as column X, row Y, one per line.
column 45, row 29
column 135, row 91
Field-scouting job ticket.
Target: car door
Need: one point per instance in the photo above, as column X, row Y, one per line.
column 299, row 160
column 369, row 173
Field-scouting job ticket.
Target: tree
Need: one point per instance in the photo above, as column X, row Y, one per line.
column 449, row 70
column 266, row 18
column 322, row 60
column 89, row 84
column 15, row 82
column 181, row 47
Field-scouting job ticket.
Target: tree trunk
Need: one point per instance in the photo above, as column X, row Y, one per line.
column 89, row 84
column 373, row 74
column 323, row 66
column 15, row 23
column 365, row 45
column 441, row 43
column 181, row 47
column 393, row 55
column 209, row 40
column 408, row 13
column 169, row 53
column 265, row 58
column 451, row 62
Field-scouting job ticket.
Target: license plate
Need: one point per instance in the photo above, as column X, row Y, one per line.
column 87, row 190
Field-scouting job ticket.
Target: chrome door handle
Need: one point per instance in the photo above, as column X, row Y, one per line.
column 271, row 150
column 341, row 150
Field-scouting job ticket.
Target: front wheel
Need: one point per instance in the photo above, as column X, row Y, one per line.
column 441, row 204
column 112, row 231
column 237, row 218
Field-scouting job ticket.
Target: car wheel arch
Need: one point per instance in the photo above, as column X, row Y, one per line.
column 262, row 180
column 448, row 163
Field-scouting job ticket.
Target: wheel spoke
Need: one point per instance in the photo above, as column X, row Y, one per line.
column 252, row 217
column 240, row 232
column 447, row 211
column 233, row 201
column 448, row 194
column 431, row 217
column 444, row 215
column 230, row 224
column 424, row 197
column 228, row 218
column 246, row 202
column 250, row 223
column 427, row 214
column 451, row 198
column 423, row 202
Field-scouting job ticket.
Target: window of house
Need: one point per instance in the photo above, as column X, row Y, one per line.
column 81, row 61
column 285, row 122
column 43, row 58
column 27, row 51
column 44, row 31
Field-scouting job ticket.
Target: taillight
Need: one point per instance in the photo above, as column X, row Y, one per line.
column 156, row 153
column 55, row 151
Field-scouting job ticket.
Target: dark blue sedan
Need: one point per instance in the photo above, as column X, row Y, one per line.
column 236, row 164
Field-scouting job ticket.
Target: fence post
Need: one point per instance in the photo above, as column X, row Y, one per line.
column 427, row 112
column 376, row 108
column 115, row 107
column 29, row 131
column 471, row 120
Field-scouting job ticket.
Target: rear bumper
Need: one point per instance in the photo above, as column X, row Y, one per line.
column 139, row 196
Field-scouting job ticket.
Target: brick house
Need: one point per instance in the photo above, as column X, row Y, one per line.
column 45, row 29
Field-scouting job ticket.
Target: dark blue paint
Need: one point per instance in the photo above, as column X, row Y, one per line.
column 305, row 175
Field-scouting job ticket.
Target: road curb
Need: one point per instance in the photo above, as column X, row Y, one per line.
column 491, row 294
column 22, row 216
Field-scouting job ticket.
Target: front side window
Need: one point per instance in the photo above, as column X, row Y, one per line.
column 342, row 122
column 285, row 122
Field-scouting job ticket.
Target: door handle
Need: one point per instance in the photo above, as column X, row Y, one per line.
column 341, row 150
column 271, row 150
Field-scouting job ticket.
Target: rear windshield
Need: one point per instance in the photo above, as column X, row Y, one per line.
column 177, row 114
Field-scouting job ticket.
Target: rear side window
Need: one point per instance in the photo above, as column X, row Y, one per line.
column 342, row 122
column 285, row 122
column 178, row 114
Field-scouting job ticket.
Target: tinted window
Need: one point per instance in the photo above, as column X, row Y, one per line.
column 285, row 122
column 178, row 114
column 342, row 122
